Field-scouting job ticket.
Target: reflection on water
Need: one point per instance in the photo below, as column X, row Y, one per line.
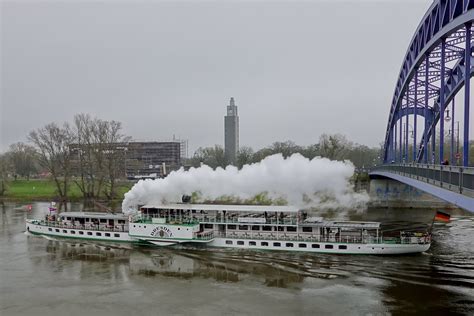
column 34, row 269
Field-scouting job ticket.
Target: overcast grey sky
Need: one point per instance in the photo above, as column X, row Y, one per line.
column 296, row 69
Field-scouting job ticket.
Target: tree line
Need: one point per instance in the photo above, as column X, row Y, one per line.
column 86, row 153
column 334, row 147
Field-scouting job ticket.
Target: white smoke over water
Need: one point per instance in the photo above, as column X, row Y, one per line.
column 320, row 183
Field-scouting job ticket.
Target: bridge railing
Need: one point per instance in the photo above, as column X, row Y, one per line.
column 454, row 178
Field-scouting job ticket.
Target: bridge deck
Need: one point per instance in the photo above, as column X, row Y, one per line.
column 450, row 183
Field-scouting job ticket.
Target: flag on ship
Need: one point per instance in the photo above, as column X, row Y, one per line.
column 52, row 208
column 442, row 217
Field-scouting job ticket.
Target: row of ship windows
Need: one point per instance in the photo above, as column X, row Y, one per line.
column 288, row 244
column 73, row 232
column 264, row 228
column 101, row 220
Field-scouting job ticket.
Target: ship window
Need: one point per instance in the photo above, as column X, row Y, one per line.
column 255, row 227
column 231, row 226
column 315, row 245
column 228, row 242
column 267, row 228
column 264, row 243
column 57, row 230
column 252, row 243
column 240, row 242
column 81, row 233
column 98, row 234
column 103, row 220
column 208, row 226
column 276, row 244
column 302, row 245
column 50, row 229
column 289, row 244
column 116, row 235
column 291, row 229
column 89, row 233
column 64, row 231
column 342, row 247
column 107, row 234
column 280, row 228
column 329, row 246
column 243, row 227
column 73, row 232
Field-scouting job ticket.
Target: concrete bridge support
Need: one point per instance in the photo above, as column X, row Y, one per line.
column 394, row 194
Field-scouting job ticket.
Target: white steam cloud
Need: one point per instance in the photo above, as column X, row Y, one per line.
column 319, row 182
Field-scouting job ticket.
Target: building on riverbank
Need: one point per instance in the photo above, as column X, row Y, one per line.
column 134, row 159
column 152, row 158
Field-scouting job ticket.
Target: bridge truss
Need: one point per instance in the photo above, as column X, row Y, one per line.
column 438, row 64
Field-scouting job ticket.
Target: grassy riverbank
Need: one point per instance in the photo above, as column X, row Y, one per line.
column 45, row 190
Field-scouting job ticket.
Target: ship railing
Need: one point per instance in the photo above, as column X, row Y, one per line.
column 235, row 220
column 205, row 235
column 426, row 239
column 216, row 219
column 292, row 237
column 326, row 239
column 95, row 227
column 168, row 220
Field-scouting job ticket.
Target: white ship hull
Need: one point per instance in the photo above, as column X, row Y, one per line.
column 322, row 247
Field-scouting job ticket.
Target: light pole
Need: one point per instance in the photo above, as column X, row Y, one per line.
column 452, row 133
column 458, row 154
column 408, row 129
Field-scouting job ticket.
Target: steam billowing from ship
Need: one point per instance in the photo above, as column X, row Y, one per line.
column 301, row 182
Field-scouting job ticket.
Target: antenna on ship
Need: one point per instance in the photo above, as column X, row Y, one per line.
column 102, row 206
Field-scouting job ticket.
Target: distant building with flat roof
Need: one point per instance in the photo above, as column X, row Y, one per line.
column 231, row 129
column 145, row 158
column 154, row 159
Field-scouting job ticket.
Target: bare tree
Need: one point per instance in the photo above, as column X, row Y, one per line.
column 212, row 156
column 311, row 151
column 5, row 169
column 114, row 155
column 333, row 146
column 244, row 156
column 99, row 155
column 84, row 156
column 24, row 159
column 54, row 153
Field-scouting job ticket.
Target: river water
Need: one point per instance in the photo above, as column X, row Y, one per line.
column 45, row 276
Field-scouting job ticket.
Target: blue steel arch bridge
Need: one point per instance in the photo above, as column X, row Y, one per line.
column 427, row 136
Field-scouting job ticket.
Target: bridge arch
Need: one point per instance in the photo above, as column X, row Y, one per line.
column 437, row 65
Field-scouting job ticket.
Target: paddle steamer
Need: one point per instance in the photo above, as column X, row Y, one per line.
column 233, row 226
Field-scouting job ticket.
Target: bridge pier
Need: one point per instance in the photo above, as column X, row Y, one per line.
column 393, row 194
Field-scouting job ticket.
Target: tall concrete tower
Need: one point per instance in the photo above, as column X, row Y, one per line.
column 231, row 126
